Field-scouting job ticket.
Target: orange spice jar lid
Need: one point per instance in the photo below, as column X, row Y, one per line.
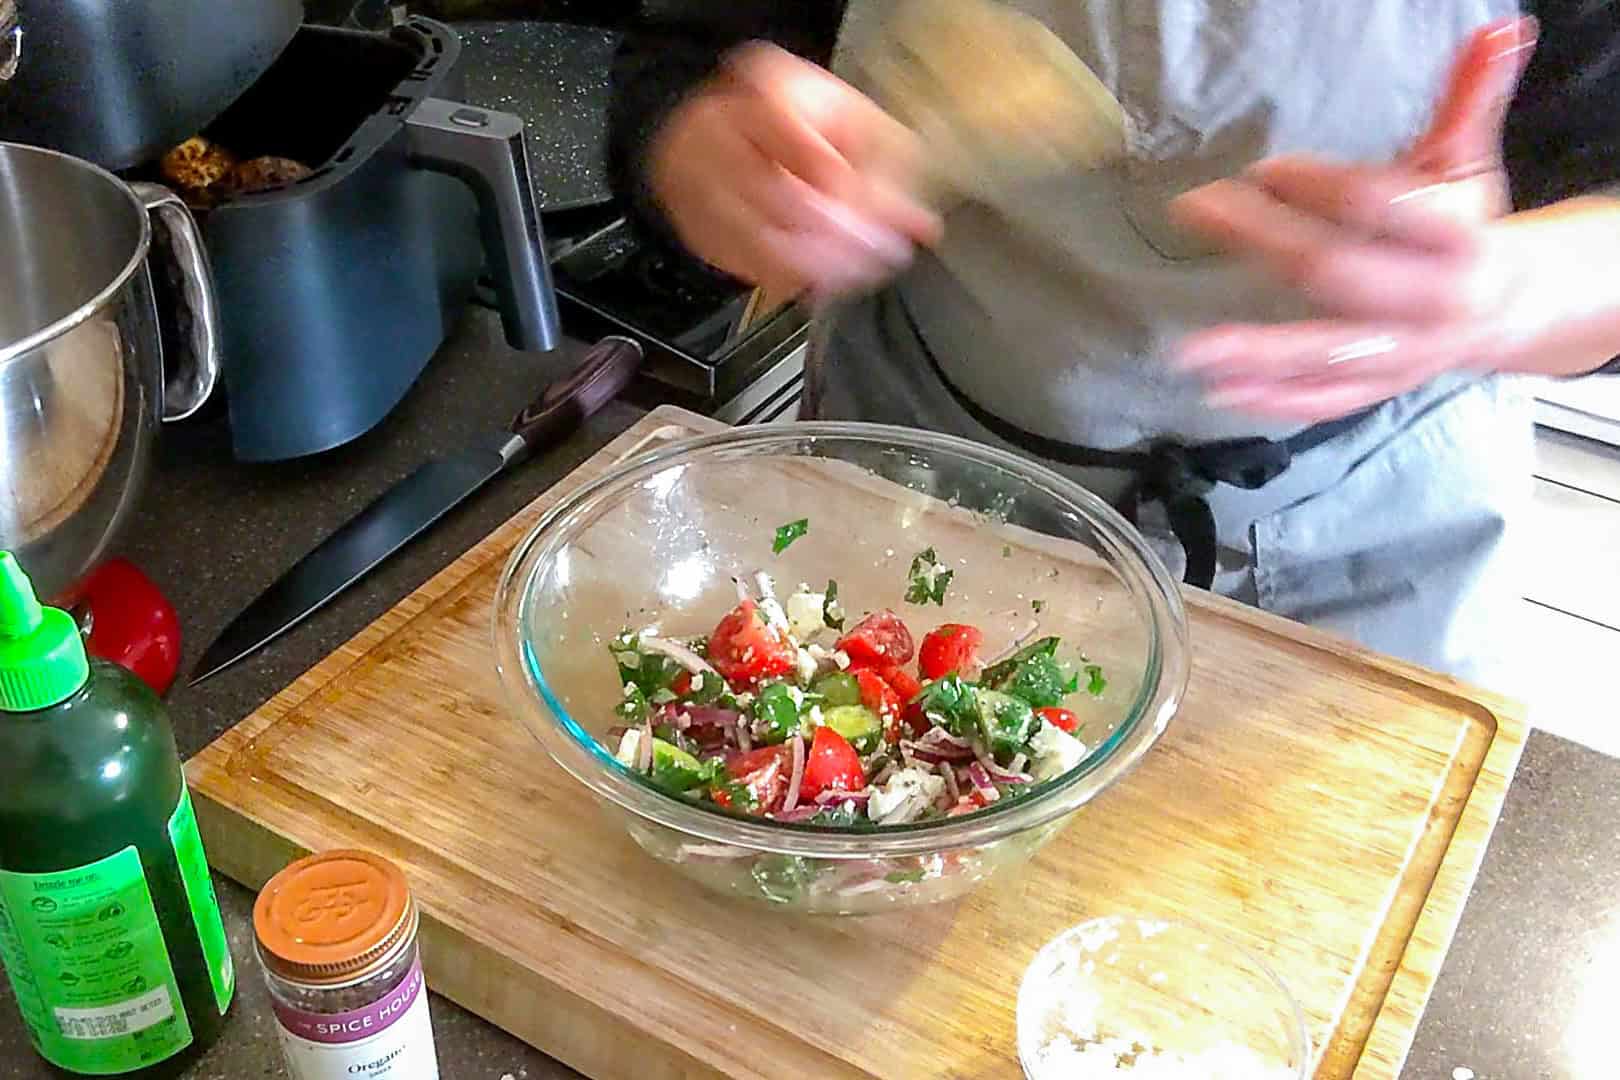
column 333, row 917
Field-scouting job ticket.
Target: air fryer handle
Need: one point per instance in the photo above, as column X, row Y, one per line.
column 485, row 150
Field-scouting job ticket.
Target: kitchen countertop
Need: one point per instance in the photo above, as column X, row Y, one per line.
column 1525, row 991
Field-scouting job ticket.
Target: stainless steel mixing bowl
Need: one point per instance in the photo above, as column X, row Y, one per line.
column 82, row 375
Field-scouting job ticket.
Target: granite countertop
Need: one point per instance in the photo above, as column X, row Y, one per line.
column 1519, row 996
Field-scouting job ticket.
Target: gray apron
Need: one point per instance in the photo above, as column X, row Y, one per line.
column 1056, row 311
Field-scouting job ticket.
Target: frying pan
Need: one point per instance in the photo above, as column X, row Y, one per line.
column 551, row 74
column 554, row 76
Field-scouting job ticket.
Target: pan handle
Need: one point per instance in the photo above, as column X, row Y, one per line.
column 189, row 379
column 485, row 150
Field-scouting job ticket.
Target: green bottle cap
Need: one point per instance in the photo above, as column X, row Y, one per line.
column 42, row 660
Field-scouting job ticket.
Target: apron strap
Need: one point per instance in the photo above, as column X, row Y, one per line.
column 1176, row 476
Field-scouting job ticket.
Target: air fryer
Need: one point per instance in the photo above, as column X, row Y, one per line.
column 337, row 289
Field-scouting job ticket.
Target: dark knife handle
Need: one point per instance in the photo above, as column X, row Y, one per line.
column 602, row 376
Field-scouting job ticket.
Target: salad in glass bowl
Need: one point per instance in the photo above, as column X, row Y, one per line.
column 787, row 711
column 973, row 647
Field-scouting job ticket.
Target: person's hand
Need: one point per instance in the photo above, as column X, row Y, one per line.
column 781, row 174
column 1411, row 265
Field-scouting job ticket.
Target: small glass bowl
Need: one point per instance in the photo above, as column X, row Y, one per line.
column 661, row 541
column 1140, row 996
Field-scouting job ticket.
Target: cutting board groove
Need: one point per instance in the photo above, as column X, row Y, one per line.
column 1325, row 806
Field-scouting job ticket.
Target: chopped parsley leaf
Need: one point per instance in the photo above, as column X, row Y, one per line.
column 789, row 533
column 832, row 612
column 1097, row 683
column 1037, row 606
column 904, row 877
column 929, row 579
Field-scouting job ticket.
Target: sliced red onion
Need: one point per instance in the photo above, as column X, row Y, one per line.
column 952, row 788
column 885, row 774
column 799, row 813
column 765, row 584
column 645, row 750
column 712, row 716
column 681, row 654
column 981, row 783
column 1018, row 762
column 839, row 798
column 797, row 779
column 617, row 734
column 937, row 738
column 995, row 772
column 744, row 739
column 931, row 757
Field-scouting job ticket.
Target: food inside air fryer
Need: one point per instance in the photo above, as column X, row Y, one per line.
column 206, row 174
column 197, row 164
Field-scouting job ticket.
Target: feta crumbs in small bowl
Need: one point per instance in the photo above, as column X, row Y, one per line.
column 1156, row 1000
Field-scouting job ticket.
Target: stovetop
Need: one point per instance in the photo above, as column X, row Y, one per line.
column 707, row 349
column 705, row 344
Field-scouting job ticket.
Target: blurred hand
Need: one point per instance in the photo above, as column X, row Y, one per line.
column 781, row 174
column 1412, row 265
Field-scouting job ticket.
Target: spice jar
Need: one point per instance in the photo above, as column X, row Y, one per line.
column 337, row 943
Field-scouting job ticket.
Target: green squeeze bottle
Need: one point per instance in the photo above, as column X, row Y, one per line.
column 109, row 928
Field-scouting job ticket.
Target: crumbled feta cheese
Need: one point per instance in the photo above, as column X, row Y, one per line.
column 629, row 752
column 805, row 665
column 841, row 658
column 765, row 584
column 697, row 683
column 1056, row 752
column 903, row 785
column 804, row 614
column 815, row 716
column 797, row 695
column 744, row 700
column 629, row 689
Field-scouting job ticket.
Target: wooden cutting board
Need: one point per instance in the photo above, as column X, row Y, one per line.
column 1324, row 806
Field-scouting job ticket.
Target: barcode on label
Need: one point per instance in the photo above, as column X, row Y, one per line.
column 136, row 1014
column 96, row 1028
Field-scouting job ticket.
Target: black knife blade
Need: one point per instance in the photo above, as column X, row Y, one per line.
column 413, row 505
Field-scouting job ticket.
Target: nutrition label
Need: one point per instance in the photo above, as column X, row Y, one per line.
column 87, row 960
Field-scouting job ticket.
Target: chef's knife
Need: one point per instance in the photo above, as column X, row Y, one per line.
column 414, row 504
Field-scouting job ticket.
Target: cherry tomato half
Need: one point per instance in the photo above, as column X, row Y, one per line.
column 952, row 647
column 745, row 649
column 880, row 640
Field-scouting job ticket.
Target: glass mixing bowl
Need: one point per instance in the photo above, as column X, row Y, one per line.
column 1123, row 996
column 659, row 542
